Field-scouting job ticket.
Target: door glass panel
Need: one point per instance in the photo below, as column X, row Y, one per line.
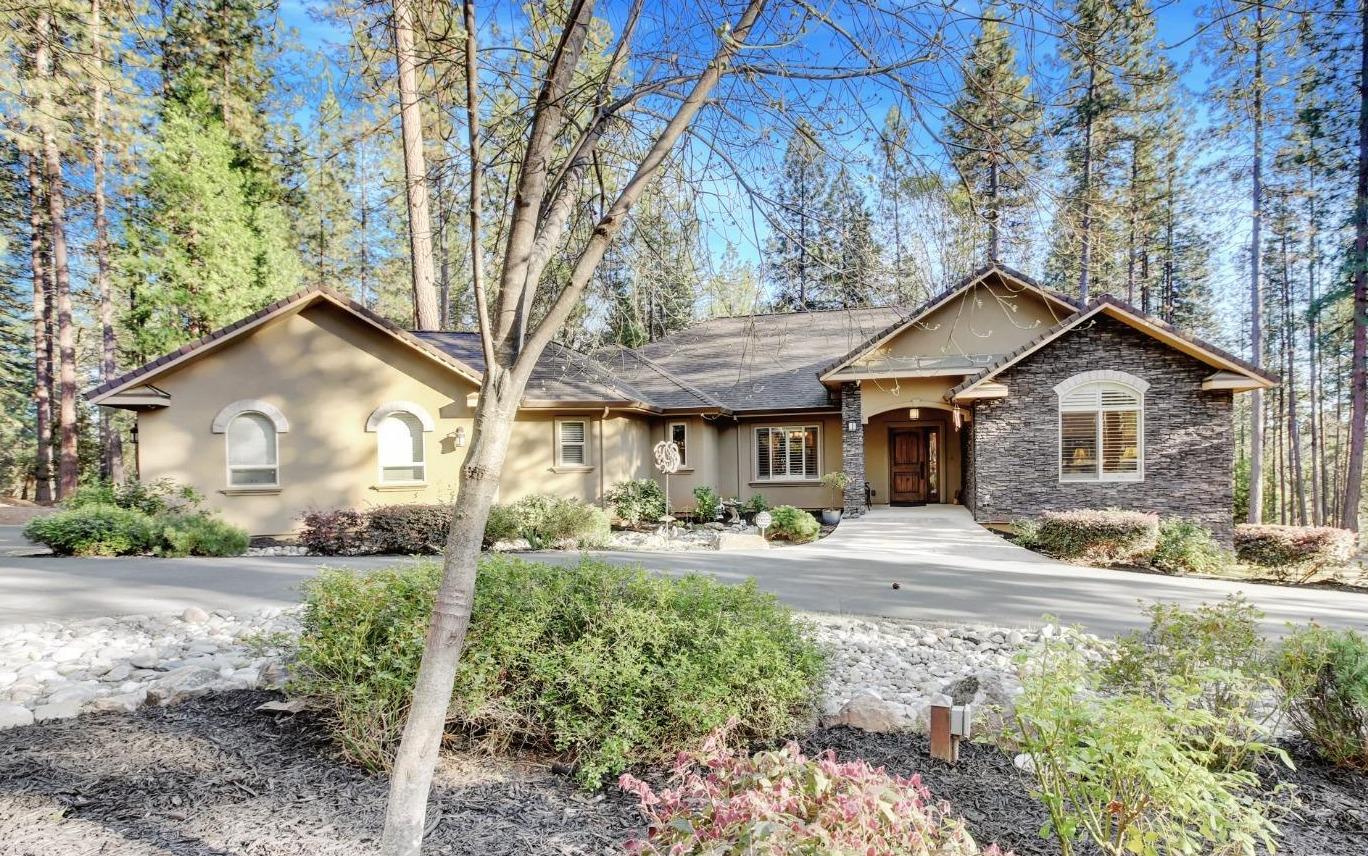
column 932, row 462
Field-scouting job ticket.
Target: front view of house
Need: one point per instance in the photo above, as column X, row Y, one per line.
column 997, row 394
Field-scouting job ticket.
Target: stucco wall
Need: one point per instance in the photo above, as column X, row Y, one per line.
column 736, row 462
column 876, row 451
column 1188, row 434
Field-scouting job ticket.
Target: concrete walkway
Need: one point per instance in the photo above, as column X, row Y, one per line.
column 948, row 569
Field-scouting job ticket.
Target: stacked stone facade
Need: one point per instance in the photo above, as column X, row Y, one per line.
column 852, row 448
column 1012, row 470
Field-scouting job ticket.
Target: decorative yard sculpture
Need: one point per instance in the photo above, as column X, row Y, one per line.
column 668, row 462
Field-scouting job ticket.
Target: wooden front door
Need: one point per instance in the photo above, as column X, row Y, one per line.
column 908, row 460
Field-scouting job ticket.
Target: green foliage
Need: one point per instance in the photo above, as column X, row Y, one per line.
column 706, row 503
column 181, row 534
column 555, row 521
column 609, row 666
column 1132, row 773
column 794, row 524
column 756, row 504
column 1293, row 553
column 336, row 532
column 836, row 482
column 636, row 501
column 408, row 529
column 502, row 525
column 1185, row 547
column 1093, row 537
column 1324, row 678
column 1216, row 650
column 94, row 530
column 148, row 497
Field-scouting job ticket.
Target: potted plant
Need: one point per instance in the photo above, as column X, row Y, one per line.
column 835, row 481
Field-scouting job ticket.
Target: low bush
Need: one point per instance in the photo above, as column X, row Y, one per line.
column 1110, row 537
column 1293, row 553
column 553, row 521
column 408, row 529
column 1216, row 650
column 180, row 534
column 794, row 524
column 706, row 503
column 1185, row 547
column 94, row 530
column 338, row 532
column 501, row 525
column 150, row 498
column 1128, row 772
column 756, row 504
column 1324, row 679
column 785, row 803
column 608, row 666
column 636, row 502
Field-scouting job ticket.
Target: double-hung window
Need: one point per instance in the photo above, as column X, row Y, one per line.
column 1101, row 432
column 253, row 451
column 402, row 458
column 572, row 443
column 787, row 453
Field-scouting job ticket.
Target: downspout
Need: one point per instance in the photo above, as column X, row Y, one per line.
column 603, row 462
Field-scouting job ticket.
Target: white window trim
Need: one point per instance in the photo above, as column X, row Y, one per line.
column 249, row 405
column 560, row 463
column 669, row 435
column 383, row 412
column 230, row 468
column 1137, row 385
column 787, row 478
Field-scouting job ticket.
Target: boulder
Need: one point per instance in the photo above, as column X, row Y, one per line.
column 57, row 710
column 194, row 615
column 121, row 703
column 868, row 711
column 741, row 541
column 14, row 715
column 183, row 683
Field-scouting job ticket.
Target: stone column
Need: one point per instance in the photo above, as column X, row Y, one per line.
column 852, row 449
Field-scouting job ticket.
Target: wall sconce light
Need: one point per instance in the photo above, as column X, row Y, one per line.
column 913, row 413
column 852, row 426
column 133, row 432
column 458, row 437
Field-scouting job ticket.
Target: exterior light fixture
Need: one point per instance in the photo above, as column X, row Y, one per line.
column 458, row 437
column 852, row 426
column 913, row 413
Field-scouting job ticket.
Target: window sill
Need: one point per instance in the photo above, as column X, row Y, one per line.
column 572, row 469
column 1106, row 480
column 786, row 483
column 251, row 491
column 682, row 471
column 393, row 486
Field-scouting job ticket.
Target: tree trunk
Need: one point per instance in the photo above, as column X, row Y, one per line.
column 68, row 463
column 111, row 444
column 42, row 346
column 1085, row 226
column 425, row 312
column 994, row 204
column 1256, row 403
column 1358, row 383
column 1296, row 478
column 1313, row 357
column 1133, row 221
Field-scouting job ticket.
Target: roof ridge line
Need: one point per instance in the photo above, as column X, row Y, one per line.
column 677, row 380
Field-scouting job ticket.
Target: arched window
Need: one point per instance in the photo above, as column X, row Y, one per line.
column 253, row 452
column 399, row 428
column 1101, row 427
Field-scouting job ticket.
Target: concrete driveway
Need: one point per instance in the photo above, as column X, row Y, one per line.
column 948, row 569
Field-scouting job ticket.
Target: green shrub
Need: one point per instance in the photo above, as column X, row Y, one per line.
column 706, row 503
column 151, row 498
column 94, row 530
column 836, row 481
column 1026, row 533
column 1216, row 649
column 1129, row 772
column 408, row 529
column 1186, row 547
column 794, row 524
column 609, row 666
column 1324, row 679
column 502, row 525
column 1293, row 553
column 554, row 521
column 637, row 501
column 1109, row 537
column 756, row 504
column 339, row 532
column 181, row 534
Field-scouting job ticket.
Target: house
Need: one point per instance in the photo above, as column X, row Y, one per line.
column 997, row 394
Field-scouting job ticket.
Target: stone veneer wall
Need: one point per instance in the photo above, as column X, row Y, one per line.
column 852, row 448
column 1189, row 439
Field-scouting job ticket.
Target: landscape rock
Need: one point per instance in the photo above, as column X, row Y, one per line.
column 741, row 541
column 13, row 715
column 56, row 710
column 194, row 615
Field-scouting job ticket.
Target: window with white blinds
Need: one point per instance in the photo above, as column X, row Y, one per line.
column 787, row 453
column 572, row 443
column 252, row 451
column 1100, row 430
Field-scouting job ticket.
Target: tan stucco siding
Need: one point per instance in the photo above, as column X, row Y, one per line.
column 618, row 450
column 326, row 373
column 736, row 461
column 989, row 318
column 876, row 431
column 880, row 395
column 701, row 459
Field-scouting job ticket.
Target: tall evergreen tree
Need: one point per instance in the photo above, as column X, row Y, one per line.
column 800, row 252
column 850, row 280
column 994, row 130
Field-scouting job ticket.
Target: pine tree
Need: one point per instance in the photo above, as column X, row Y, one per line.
column 850, row 281
column 800, row 252
column 993, row 130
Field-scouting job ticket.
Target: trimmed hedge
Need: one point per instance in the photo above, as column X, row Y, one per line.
column 109, row 530
column 408, row 529
column 1109, row 537
column 607, row 666
column 637, row 501
column 1293, row 553
column 794, row 524
column 338, row 532
column 197, row 535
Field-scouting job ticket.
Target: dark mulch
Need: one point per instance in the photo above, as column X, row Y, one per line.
column 212, row 777
column 1326, row 807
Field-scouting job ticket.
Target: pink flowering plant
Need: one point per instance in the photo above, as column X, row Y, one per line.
column 782, row 803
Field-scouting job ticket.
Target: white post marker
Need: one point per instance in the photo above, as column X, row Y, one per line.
column 763, row 519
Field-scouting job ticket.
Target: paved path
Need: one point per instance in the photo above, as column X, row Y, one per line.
column 949, row 570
